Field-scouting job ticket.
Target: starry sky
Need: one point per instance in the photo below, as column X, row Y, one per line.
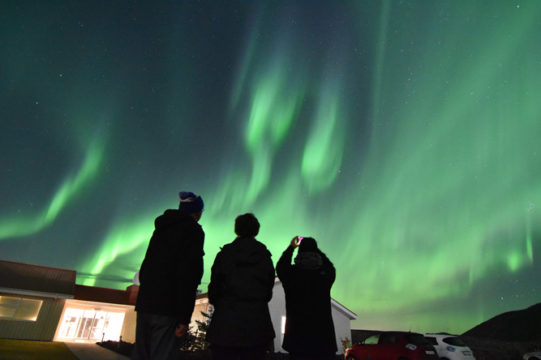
column 402, row 135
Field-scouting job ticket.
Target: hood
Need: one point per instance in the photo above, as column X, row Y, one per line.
column 246, row 250
column 308, row 260
column 170, row 217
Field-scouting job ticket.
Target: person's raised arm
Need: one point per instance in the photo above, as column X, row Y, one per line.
column 284, row 267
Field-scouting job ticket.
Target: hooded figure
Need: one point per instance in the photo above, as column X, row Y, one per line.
column 309, row 331
column 169, row 276
column 240, row 288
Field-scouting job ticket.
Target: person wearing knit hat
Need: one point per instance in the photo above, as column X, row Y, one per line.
column 190, row 203
column 169, row 276
column 309, row 331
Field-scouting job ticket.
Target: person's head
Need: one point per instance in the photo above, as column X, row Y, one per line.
column 191, row 203
column 308, row 244
column 308, row 257
column 246, row 225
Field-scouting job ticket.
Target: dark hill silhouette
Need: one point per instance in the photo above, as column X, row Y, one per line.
column 513, row 326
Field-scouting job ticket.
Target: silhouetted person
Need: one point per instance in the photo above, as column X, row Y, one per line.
column 240, row 288
column 169, row 276
column 309, row 332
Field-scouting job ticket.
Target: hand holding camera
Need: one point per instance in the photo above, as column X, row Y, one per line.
column 296, row 241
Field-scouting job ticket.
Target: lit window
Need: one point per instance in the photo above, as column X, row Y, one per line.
column 283, row 325
column 16, row 308
column 84, row 324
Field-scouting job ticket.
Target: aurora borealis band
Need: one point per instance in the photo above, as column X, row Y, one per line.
column 402, row 135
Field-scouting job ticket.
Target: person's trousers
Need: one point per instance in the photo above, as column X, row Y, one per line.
column 237, row 353
column 155, row 338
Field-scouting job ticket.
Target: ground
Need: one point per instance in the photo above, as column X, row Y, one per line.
column 34, row 350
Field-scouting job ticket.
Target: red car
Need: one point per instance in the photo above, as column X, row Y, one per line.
column 392, row 345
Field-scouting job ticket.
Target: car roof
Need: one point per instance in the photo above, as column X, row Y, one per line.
column 441, row 335
column 396, row 332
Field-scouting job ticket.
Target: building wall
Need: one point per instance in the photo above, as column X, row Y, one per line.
column 49, row 317
column 128, row 328
column 342, row 328
column 127, row 331
column 277, row 308
column 42, row 329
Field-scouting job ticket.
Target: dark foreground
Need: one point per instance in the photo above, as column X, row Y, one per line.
column 483, row 349
column 125, row 348
column 487, row 349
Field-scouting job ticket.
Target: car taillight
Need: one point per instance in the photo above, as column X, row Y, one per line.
column 411, row 347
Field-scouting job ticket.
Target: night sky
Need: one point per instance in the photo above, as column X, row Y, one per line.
column 402, row 135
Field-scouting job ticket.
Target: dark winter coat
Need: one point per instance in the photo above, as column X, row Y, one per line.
column 172, row 268
column 309, row 325
column 240, row 288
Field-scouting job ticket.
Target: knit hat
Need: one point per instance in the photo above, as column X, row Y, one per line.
column 308, row 244
column 246, row 225
column 190, row 202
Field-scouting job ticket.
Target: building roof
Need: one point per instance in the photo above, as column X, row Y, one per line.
column 104, row 295
column 36, row 280
column 350, row 314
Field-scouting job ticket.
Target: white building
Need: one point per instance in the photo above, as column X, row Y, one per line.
column 44, row 303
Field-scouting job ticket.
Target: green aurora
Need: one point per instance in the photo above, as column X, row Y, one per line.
column 402, row 135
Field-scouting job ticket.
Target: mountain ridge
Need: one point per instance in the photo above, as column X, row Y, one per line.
column 512, row 326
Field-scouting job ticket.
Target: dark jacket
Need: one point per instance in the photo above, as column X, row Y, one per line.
column 309, row 325
column 240, row 288
column 172, row 268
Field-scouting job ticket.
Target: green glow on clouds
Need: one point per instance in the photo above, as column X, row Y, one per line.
column 440, row 200
column 422, row 186
column 124, row 238
column 323, row 149
column 273, row 103
column 66, row 194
